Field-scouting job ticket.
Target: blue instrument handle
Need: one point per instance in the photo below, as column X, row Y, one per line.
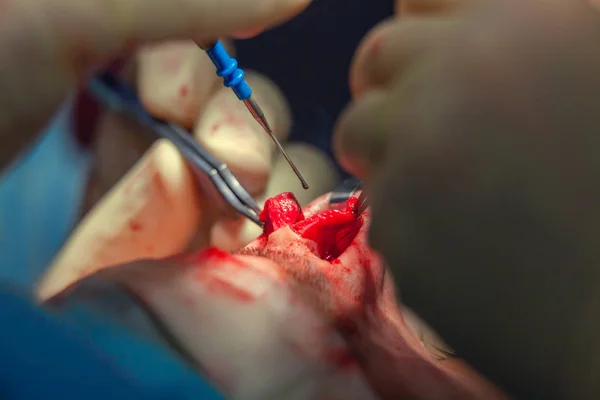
column 227, row 68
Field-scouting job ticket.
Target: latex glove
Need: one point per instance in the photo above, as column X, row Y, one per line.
column 475, row 124
column 48, row 45
column 157, row 209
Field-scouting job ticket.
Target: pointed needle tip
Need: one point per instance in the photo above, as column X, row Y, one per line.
column 259, row 116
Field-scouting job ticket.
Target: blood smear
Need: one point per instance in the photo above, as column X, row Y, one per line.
column 217, row 285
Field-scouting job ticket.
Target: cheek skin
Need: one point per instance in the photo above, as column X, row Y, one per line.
column 240, row 323
column 264, row 265
column 175, row 79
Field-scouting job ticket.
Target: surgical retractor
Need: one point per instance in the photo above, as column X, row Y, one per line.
column 233, row 77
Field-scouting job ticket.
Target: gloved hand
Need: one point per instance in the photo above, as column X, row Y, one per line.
column 46, row 46
column 146, row 202
column 475, row 126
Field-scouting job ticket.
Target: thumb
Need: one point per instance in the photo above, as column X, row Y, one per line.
column 47, row 44
column 151, row 213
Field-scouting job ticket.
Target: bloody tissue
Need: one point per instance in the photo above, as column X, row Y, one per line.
column 332, row 230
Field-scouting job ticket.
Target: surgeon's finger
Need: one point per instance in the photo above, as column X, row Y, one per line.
column 318, row 170
column 230, row 133
column 151, row 213
column 389, row 50
column 100, row 28
column 176, row 79
column 363, row 133
column 47, row 44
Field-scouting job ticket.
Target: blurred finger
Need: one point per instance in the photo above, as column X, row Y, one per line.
column 230, row 133
column 232, row 315
column 175, row 80
column 363, row 133
column 64, row 40
column 389, row 50
column 151, row 213
column 113, row 26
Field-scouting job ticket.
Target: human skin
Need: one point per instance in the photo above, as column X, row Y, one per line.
column 157, row 209
column 176, row 81
column 49, row 46
column 483, row 123
column 158, row 192
column 318, row 328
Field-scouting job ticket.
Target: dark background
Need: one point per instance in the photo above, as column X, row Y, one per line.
column 309, row 58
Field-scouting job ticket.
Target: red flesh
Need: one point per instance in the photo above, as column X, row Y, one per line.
column 280, row 211
column 332, row 230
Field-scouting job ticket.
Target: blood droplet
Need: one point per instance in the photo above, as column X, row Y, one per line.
column 135, row 226
column 184, row 90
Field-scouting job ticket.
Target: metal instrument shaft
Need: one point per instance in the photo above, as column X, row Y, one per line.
column 344, row 191
column 233, row 77
column 259, row 116
column 213, row 175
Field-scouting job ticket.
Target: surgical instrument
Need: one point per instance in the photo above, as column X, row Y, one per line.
column 116, row 95
column 344, row 191
column 233, row 77
column 362, row 203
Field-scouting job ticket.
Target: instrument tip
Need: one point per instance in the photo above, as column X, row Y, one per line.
column 289, row 161
column 362, row 204
column 259, row 116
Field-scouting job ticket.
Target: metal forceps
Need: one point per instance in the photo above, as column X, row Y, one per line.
column 116, row 95
column 344, row 191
